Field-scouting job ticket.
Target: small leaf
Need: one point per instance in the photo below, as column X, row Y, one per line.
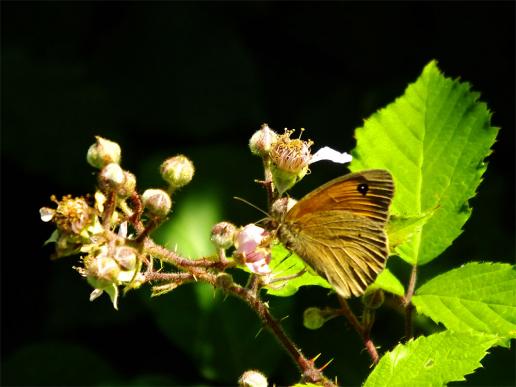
column 53, row 238
column 475, row 297
column 388, row 282
column 286, row 264
column 400, row 229
column 431, row 361
column 433, row 140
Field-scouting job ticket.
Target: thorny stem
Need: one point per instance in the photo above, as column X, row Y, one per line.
column 268, row 181
column 172, row 277
column 109, row 208
column 309, row 371
column 137, row 204
column 359, row 328
column 152, row 224
column 195, row 267
column 407, row 303
column 173, row 258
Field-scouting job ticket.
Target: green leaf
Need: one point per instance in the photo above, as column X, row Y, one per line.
column 401, row 229
column 431, row 361
column 53, row 238
column 286, row 264
column 388, row 282
column 433, row 140
column 475, row 297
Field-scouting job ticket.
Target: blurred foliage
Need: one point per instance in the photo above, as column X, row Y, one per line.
column 198, row 79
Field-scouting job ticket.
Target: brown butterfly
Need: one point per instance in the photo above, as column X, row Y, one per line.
column 339, row 229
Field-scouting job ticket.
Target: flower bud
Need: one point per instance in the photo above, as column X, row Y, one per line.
column 262, row 141
column 224, row 280
column 128, row 186
column 368, row 317
column 252, row 378
column 222, row 235
column 111, row 177
column 177, row 171
column 157, row 202
column 313, row 318
column 281, row 206
column 125, row 256
column 103, row 152
column 101, row 271
column 290, row 160
column 373, row 299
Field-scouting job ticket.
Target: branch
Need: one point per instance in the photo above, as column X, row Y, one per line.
column 310, row 373
column 166, row 255
column 407, row 303
column 364, row 333
column 197, row 271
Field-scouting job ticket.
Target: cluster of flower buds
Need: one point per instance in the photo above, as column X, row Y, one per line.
column 98, row 228
column 289, row 158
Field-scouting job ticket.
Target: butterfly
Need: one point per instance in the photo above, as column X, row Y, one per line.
column 338, row 229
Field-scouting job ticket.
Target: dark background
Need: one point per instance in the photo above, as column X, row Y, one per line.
column 199, row 78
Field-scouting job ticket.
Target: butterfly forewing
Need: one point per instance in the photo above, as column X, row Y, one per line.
column 367, row 193
column 338, row 229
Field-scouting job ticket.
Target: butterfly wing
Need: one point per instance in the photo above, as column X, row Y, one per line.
column 348, row 250
column 338, row 229
column 368, row 193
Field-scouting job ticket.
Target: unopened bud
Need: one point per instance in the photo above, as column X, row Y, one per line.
column 177, row 171
column 101, row 271
column 125, row 256
column 103, row 152
column 128, row 186
column 262, row 140
column 373, row 299
column 281, row 206
column 252, row 378
column 157, row 202
column 313, row 318
column 222, row 235
column 111, row 177
column 224, row 280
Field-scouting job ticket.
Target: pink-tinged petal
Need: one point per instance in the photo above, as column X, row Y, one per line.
column 249, row 238
column 259, row 267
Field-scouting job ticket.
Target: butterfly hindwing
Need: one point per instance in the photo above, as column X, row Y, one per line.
column 347, row 250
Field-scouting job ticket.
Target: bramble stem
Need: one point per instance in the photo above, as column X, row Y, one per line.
column 169, row 256
column 407, row 303
column 196, row 271
column 364, row 333
column 310, row 373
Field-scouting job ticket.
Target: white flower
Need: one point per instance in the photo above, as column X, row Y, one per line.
column 326, row 153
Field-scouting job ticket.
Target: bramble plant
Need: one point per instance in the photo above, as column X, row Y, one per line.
column 433, row 140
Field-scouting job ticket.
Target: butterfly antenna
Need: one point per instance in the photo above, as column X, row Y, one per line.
column 252, row 205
